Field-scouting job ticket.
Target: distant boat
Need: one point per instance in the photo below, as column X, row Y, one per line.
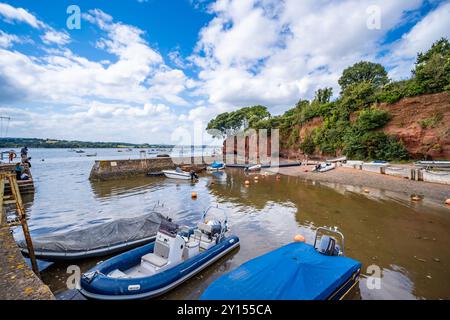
column 324, row 167
column 163, row 156
column 216, row 166
column 256, row 167
column 91, row 154
column 432, row 164
column 179, row 174
column 80, row 151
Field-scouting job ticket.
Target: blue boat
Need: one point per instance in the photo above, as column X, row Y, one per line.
column 297, row 271
column 153, row 269
column 216, row 166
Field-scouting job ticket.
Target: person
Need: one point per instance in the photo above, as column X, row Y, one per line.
column 19, row 170
column 24, row 153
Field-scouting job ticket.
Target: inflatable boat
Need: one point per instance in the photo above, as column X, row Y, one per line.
column 95, row 241
column 325, row 167
column 297, row 271
column 216, row 166
column 153, row 269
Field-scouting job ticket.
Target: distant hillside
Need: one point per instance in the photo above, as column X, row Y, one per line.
column 52, row 143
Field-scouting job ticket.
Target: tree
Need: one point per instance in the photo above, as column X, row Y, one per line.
column 433, row 67
column 323, row 95
column 230, row 123
column 364, row 71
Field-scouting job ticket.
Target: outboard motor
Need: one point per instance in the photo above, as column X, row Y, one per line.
column 194, row 176
column 328, row 246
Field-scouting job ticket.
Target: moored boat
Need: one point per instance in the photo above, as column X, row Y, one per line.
column 153, row 269
column 256, row 167
column 297, row 271
column 95, row 241
column 432, row 164
column 325, row 167
column 216, row 166
column 180, row 174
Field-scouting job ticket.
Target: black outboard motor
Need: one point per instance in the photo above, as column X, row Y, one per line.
column 194, row 176
column 328, row 246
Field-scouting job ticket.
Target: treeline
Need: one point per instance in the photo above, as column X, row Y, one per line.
column 363, row 86
column 51, row 143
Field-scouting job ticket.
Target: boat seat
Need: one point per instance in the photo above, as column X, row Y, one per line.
column 118, row 274
column 155, row 260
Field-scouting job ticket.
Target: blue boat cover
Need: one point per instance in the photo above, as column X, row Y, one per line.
column 293, row 272
column 216, row 165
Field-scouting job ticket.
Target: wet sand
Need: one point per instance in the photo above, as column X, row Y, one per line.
column 346, row 176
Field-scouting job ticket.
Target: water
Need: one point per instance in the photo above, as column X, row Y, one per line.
column 383, row 228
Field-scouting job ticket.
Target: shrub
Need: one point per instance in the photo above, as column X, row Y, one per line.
column 371, row 119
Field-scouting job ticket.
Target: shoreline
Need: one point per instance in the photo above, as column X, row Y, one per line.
column 358, row 178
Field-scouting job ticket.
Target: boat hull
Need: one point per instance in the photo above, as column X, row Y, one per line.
column 177, row 175
column 105, row 288
column 84, row 254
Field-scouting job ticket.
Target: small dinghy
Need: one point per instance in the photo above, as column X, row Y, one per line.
column 180, row 174
column 297, row 271
column 324, row 167
column 216, row 166
column 149, row 271
column 256, row 167
column 98, row 240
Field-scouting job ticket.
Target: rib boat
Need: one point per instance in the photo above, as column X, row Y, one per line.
column 297, row 271
column 153, row 269
column 180, row 174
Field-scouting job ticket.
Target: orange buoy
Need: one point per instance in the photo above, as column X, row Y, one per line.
column 447, row 202
column 366, row 190
column 299, row 238
column 194, row 195
column 278, row 177
column 247, row 183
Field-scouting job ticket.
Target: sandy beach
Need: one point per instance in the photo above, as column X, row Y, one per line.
column 365, row 179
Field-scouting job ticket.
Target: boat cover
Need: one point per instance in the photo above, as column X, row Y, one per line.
column 99, row 236
column 216, row 165
column 293, row 272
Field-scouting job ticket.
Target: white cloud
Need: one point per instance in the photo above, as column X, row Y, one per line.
column 6, row 40
column 274, row 53
column 12, row 14
column 52, row 36
column 419, row 39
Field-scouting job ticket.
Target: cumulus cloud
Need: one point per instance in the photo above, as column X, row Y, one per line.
column 11, row 14
column 251, row 52
column 274, row 53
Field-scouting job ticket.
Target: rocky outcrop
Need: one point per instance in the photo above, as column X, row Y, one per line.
column 423, row 125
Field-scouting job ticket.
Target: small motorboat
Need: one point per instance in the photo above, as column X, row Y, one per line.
column 97, row 240
column 256, row 167
column 153, row 269
column 324, row 167
column 80, row 151
column 91, row 154
column 432, row 164
column 297, row 271
column 216, row 166
column 180, row 174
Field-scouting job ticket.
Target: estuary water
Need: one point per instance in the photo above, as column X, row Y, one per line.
column 406, row 241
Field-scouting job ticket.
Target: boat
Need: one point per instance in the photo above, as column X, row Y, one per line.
column 297, row 271
column 216, row 166
column 163, row 155
column 335, row 160
column 91, row 154
column 95, row 241
column 180, row 174
column 255, row 167
column 80, row 151
column 432, row 164
column 153, row 269
column 324, row 167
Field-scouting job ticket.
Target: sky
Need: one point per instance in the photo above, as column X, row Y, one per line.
column 156, row 71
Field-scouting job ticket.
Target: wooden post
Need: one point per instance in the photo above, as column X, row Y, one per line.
column 23, row 221
column 2, row 194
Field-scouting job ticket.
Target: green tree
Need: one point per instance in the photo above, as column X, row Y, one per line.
column 432, row 70
column 364, row 71
column 323, row 95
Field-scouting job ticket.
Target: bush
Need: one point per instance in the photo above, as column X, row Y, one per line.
column 431, row 122
column 308, row 146
column 371, row 119
column 359, row 95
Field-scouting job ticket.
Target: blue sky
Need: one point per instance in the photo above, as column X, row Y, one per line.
column 151, row 71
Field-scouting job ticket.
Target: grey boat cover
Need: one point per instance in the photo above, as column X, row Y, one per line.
column 99, row 236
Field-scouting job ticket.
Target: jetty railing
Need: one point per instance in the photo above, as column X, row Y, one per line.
column 16, row 199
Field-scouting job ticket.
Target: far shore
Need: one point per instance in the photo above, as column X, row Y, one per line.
column 364, row 179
